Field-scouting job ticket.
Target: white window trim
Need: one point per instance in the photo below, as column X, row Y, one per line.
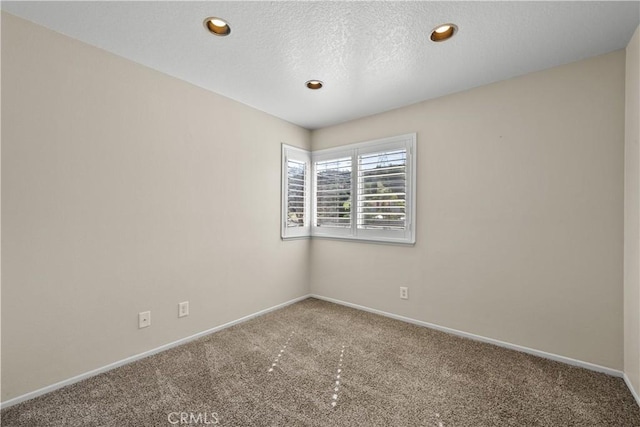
column 300, row 155
column 403, row 237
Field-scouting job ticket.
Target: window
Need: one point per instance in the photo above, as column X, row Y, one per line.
column 295, row 192
column 362, row 191
column 366, row 191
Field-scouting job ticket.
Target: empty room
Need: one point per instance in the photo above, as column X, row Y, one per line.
column 322, row 213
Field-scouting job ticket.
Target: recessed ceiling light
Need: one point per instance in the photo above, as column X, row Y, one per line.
column 443, row 32
column 314, row 84
column 217, row 26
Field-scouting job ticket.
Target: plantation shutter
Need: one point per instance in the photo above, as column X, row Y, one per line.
column 382, row 190
column 333, row 193
column 296, row 193
column 296, row 197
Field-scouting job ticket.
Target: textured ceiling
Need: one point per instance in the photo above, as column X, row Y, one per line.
column 372, row 56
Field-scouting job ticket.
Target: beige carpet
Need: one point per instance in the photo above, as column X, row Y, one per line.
column 320, row 364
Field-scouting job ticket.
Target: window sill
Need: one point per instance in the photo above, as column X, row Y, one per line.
column 356, row 240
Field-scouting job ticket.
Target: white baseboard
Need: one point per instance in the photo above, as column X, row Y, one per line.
column 633, row 390
column 94, row 372
column 544, row 354
column 148, row 353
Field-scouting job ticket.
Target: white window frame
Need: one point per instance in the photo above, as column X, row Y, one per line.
column 406, row 236
column 353, row 151
column 299, row 155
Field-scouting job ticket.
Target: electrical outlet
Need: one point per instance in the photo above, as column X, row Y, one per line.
column 404, row 292
column 144, row 319
column 183, row 309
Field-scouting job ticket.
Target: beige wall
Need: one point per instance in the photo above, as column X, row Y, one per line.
column 126, row 190
column 632, row 215
column 116, row 198
column 519, row 214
